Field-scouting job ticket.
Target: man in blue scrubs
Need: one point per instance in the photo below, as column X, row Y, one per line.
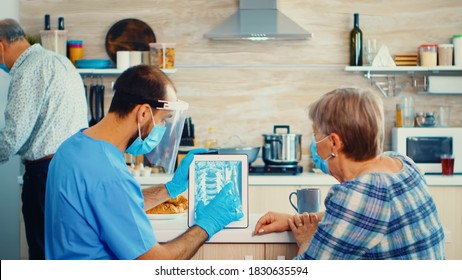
column 95, row 209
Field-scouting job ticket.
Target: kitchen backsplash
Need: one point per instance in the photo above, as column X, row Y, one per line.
column 245, row 88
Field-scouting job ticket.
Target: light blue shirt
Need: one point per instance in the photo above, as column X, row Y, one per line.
column 46, row 104
column 94, row 207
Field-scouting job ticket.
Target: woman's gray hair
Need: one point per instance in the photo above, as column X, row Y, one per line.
column 356, row 116
column 11, row 31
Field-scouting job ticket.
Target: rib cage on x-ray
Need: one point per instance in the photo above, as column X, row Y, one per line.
column 211, row 177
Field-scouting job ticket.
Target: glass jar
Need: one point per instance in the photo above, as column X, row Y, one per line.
column 428, row 54
column 445, row 54
column 419, row 119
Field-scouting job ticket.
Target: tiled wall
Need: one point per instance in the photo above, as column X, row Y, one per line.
column 245, row 88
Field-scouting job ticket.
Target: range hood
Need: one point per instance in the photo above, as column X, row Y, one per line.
column 258, row 20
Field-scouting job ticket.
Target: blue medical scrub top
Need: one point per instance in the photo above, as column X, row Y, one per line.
column 94, row 206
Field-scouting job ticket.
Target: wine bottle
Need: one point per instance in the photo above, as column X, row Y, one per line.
column 356, row 44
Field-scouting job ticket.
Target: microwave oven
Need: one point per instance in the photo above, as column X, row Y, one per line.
column 425, row 145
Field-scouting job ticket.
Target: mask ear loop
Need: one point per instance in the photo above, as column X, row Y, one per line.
column 152, row 116
column 139, row 130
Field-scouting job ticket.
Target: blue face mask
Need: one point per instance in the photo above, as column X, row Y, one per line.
column 4, row 68
column 3, row 65
column 141, row 147
column 318, row 161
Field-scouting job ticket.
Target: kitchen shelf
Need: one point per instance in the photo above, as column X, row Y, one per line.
column 404, row 69
column 391, row 87
column 112, row 71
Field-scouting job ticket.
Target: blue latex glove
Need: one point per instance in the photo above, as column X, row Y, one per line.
column 179, row 182
column 219, row 212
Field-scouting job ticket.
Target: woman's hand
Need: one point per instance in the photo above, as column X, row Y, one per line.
column 303, row 228
column 272, row 222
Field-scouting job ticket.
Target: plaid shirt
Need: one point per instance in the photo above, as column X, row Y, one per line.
column 379, row 216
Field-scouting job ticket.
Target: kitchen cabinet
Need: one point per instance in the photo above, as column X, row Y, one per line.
column 280, row 251
column 389, row 80
column 448, row 200
column 233, row 251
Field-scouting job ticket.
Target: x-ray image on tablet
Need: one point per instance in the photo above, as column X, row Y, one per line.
column 208, row 174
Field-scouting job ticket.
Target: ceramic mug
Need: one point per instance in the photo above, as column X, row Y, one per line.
column 308, row 200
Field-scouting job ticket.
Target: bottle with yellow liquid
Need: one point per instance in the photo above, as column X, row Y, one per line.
column 211, row 141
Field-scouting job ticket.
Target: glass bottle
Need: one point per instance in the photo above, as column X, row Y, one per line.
column 356, row 43
column 399, row 116
column 211, row 141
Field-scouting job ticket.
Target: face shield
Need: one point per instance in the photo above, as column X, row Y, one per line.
column 165, row 153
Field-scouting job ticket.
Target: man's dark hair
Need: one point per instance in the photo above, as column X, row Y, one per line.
column 138, row 85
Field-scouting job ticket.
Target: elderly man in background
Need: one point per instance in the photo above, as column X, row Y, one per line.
column 46, row 105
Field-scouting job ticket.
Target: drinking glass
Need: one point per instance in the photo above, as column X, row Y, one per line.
column 370, row 50
column 447, row 164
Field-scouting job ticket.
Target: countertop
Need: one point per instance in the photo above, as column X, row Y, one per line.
column 166, row 230
column 303, row 179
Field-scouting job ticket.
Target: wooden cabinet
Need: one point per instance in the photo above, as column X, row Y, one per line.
column 233, row 251
column 280, row 251
column 448, row 200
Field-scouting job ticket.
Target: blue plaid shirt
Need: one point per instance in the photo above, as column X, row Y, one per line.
column 379, row 216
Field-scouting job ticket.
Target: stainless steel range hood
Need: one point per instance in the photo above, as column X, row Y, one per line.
column 258, row 20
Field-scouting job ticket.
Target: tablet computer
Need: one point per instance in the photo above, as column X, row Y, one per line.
column 209, row 173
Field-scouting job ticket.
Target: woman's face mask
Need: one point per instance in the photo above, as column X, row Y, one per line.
column 3, row 65
column 140, row 146
column 318, row 161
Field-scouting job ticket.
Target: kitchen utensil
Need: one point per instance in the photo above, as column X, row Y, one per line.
column 93, row 63
column 251, row 152
column 187, row 137
column 91, row 102
column 101, row 89
column 237, row 146
column 282, row 148
column 96, row 102
column 129, row 35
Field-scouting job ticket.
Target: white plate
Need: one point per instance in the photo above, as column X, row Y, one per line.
column 165, row 216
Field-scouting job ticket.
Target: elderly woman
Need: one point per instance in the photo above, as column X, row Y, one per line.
column 381, row 209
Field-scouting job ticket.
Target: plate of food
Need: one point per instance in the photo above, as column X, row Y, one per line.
column 165, row 216
column 171, row 209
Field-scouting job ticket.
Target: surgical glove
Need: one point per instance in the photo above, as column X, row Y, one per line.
column 221, row 211
column 179, row 182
